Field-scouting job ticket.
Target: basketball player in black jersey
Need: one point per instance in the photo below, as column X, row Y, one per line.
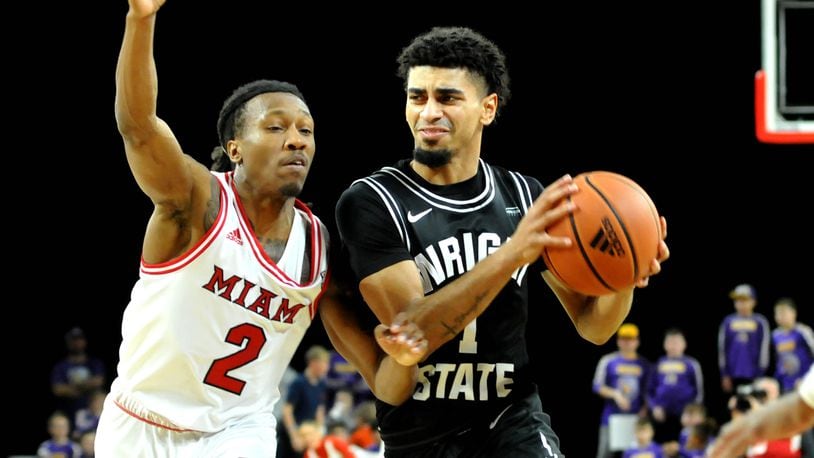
column 450, row 242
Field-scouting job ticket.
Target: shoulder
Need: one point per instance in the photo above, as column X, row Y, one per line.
column 501, row 171
column 608, row 358
column 804, row 330
column 691, row 359
column 373, row 184
column 364, row 198
column 316, row 220
column 361, row 189
column 525, row 182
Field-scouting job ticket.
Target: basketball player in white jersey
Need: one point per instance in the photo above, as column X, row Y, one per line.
column 232, row 268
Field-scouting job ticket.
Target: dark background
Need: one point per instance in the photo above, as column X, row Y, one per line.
column 662, row 93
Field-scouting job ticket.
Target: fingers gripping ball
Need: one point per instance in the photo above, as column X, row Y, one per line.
column 616, row 233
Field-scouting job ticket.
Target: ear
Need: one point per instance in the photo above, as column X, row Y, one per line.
column 489, row 104
column 233, row 151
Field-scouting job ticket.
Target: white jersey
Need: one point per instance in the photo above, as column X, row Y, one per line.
column 207, row 336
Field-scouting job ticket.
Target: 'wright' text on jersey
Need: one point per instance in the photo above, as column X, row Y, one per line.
column 446, row 231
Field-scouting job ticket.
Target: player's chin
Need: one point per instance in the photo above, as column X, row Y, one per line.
column 429, row 145
column 292, row 189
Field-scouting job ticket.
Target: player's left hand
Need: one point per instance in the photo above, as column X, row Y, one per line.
column 402, row 340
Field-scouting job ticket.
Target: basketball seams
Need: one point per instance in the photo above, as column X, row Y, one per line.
column 584, row 253
column 621, row 224
column 550, row 265
column 643, row 194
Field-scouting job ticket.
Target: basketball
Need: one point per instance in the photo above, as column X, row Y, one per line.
column 615, row 231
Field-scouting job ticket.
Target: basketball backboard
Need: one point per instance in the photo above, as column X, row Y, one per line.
column 784, row 87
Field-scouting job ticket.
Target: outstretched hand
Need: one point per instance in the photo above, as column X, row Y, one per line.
column 402, row 340
column 663, row 254
column 733, row 440
column 144, row 8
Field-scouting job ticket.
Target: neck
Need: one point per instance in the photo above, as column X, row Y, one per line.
column 269, row 214
column 459, row 169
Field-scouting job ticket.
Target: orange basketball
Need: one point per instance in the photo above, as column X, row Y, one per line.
column 616, row 233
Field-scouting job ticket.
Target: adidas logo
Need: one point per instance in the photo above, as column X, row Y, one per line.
column 607, row 241
column 235, row 236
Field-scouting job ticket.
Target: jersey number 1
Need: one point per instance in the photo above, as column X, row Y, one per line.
column 217, row 376
column 468, row 344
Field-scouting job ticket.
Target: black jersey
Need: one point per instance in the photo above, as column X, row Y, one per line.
column 395, row 215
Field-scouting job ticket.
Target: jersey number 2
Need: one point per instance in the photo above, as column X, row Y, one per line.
column 218, row 376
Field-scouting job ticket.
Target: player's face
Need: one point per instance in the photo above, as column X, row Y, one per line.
column 276, row 144
column 447, row 109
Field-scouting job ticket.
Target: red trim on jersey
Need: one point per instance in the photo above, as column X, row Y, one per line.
column 190, row 255
column 316, row 239
column 315, row 304
column 261, row 255
column 152, row 423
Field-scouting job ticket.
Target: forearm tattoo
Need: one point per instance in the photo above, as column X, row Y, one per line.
column 460, row 321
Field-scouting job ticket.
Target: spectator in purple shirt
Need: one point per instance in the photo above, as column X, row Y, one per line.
column 677, row 381
column 743, row 341
column 793, row 345
column 621, row 379
column 60, row 443
column 77, row 375
column 645, row 447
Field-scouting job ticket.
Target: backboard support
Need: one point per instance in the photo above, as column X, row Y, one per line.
column 776, row 120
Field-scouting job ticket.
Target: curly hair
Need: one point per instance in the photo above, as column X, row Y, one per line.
column 232, row 115
column 459, row 47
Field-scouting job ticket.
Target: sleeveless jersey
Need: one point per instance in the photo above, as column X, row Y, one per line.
column 208, row 335
column 395, row 215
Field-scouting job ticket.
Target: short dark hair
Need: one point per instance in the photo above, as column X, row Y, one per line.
column 786, row 301
column 459, row 47
column 232, row 115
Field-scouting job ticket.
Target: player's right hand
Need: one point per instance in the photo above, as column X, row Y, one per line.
column 144, row 8
column 402, row 340
column 552, row 205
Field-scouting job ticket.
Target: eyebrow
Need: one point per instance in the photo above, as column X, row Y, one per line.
column 442, row 91
column 282, row 112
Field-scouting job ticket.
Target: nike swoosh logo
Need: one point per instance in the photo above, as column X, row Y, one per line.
column 413, row 218
column 494, row 423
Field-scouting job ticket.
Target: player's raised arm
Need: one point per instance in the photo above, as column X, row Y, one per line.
column 154, row 155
